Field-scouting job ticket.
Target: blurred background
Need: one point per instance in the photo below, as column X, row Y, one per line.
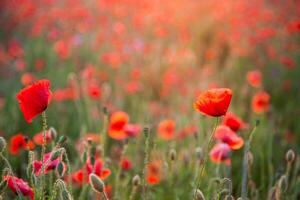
column 151, row 59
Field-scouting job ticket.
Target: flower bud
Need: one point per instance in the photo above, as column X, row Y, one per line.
column 96, row 183
column 172, row 154
column 62, row 139
column 290, row 156
column 66, row 195
column 199, row 153
column 56, row 153
column 2, row 144
column 53, row 133
column 199, row 195
column 60, row 169
column 136, row 180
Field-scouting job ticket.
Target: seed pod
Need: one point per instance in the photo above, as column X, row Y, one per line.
column 172, row 154
column 136, row 180
column 199, row 195
column 290, row 156
column 199, row 153
column 96, row 183
column 2, row 144
column 53, row 133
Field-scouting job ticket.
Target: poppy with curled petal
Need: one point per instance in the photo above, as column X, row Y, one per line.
column 261, row 102
column 220, row 153
column 19, row 142
column 34, row 99
column 154, row 173
column 118, row 122
column 166, row 129
column 213, row 102
column 226, row 135
column 19, row 185
column 49, row 165
column 234, row 122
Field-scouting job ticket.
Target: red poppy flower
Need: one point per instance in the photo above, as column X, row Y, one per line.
column 49, row 165
column 220, row 153
column 126, row 164
column 166, row 129
column 94, row 91
column 19, row 142
column 254, row 78
column 226, row 135
column 17, row 184
column 154, row 173
column 261, row 102
column 118, row 121
column 34, row 99
column 38, row 138
column 234, row 122
column 214, row 102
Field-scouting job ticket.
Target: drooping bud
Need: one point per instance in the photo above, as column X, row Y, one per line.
column 2, row 144
column 53, row 133
column 66, row 195
column 199, row 195
column 96, row 183
column 62, row 139
column 290, row 156
column 172, row 155
column 56, row 153
column 136, row 180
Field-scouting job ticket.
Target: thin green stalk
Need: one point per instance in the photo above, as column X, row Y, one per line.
column 199, row 176
column 245, row 164
column 44, row 123
column 146, row 161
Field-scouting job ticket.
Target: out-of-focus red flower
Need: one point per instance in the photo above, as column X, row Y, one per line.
column 226, row 135
column 233, row 122
column 287, row 62
column 94, row 91
column 220, row 153
column 254, row 78
column 82, row 175
column 153, row 176
column 132, row 130
column 65, row 94
column 27, row 78
column 18, row 184
column 118, row 121
column 62, row 49
column 34, row 99
column 261, row 102
column 19, row 142
column 214, row 102
column 15, row 50
column 166, row 129
column 38, row 138
column 126, row 164
column 49, row 165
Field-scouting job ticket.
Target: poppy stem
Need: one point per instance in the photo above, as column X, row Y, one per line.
column 44, row 124
column 245, row 164
column 198, row 180
column 146, row 160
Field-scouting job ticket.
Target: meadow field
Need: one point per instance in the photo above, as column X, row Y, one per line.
column 149, row 99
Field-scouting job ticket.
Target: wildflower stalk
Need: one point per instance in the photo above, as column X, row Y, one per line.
column 198, row 180
column 245, row 163
column 44, row 124
column 104, row 131
column 146, row 161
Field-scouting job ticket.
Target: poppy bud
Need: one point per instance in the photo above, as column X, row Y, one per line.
column 66, row 195
column 96, row 183
column 136, row 180
column 55, row 154
column 283, row 183
column 172, row 154
column 257, row 122
column 290, row 156
column 199, row 195
column 53, row 133
column 62, row 139
column 199, row 153
column 60, row 169
column 146, row 131
column 2, row 144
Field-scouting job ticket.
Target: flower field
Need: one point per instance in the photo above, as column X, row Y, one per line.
column 149, row 100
